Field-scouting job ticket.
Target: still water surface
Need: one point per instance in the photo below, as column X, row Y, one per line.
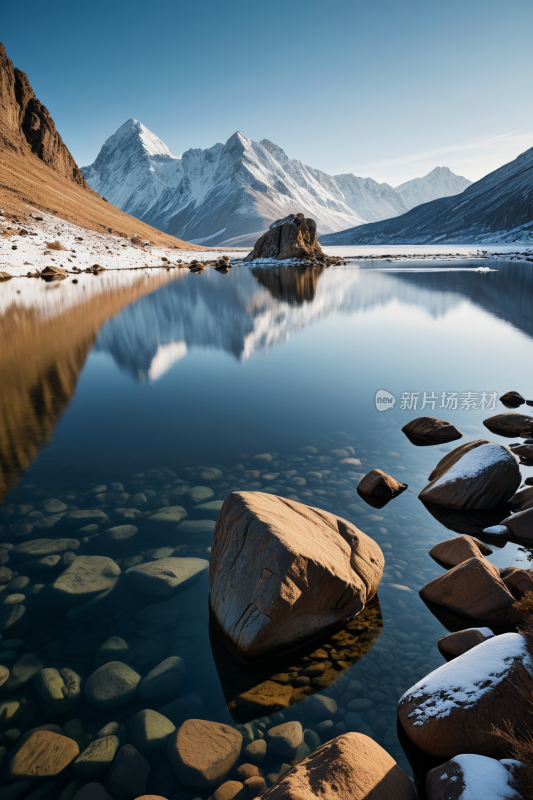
column 181, row 385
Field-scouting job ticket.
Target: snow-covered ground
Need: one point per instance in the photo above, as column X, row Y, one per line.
column 85, row 248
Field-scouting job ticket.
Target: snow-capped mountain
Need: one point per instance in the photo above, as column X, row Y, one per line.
column 232, row 192
column 440, row 182
column 497, row 208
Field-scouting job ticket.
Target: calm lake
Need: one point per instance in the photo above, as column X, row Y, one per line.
column 124, row 393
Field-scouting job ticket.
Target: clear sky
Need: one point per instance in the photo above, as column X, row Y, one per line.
column 381, row 88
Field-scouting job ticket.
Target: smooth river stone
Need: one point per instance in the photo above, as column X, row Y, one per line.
column 202, row 753
column 112, row 685
column 150, row 731
column 163, row 681
column 95, row 759
column 197, row 526
column 10, row 615
column 209, row 509
column 23, row 671
column 162, row 578
column 199, row 494
column 53, row 506
column 43, row 755
column 39, row 548
column 113, row 649
column 85, row 516
column 128, row 774
column 120, row 534
column 170, row 514
column 59, row 690
column 86, row 577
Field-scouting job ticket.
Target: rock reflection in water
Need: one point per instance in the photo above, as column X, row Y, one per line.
column 275, row 684
column 295, row 285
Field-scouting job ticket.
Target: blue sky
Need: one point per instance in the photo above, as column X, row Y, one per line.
column 381, row 88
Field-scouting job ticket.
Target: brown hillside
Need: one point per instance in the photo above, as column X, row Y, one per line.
column 37, row 170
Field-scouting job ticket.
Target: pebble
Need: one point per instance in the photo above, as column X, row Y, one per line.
column 12, row 599
column 59, row 690
column 283, row 740
column 311, row 739
column 199, row 494
column 246, row 771
column 44, row 754
column 150, row 731
column 120, row 534
column 127, row 776
column 39, row 548
column 113, row 649
column 256, row 750
column 213, row 507
column 86, row 577
column 163, row 681
column 202, row 753
column 165, row 576
column 85, row 516
column 53, row 506
column 4, row 672
column 95, row 759
column 322, row 707
column 228, row 790
column 168, row 515
column 197, row 526
column 112, row 685
column 22, row 672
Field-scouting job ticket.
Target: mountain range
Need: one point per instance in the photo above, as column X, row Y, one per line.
column 230, row 193
column 497, row 208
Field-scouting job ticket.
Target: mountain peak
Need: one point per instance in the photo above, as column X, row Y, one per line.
column 440, row 182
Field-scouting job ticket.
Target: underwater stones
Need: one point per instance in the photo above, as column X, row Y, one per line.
column 256, row 750
column 39, row 548
column 455, row 644
column 200, row 494
column 120, row 534
column 485, row 477
column 5, row 575
column 520, row 525
column 168, row 515
column 150, row 731
column 44, row 754
column 128, row 513
column 322, row 707
column 197, row 526
column 112, row 685
column 430, row 430
column 163, row 577
column 351, row 765
column 268, row 557
column 471, row 775
column 201, row 753
column 4, row 674
column 128, row 774
column 95, row 759
column 510, row 424
column 23, row 671
column 85, row 516
column 53, row 506
column 163, row 680
column 453, row 709
column 42, row 565
column 377, row 483
column 267, row 697
column 283, row 740
column 58, row 689
column 455, row 551
column 113, row 649
column 86, row 578
column 228, row 791
column 473, row 589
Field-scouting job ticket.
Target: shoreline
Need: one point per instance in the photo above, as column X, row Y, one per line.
column 24, row 252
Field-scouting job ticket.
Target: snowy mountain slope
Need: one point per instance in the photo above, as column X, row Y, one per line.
column 499, row 207
column 229, row 191
column 440, row 182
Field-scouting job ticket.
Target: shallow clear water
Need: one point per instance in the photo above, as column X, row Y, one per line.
column 206, row 373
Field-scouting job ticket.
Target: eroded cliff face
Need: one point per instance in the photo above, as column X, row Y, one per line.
column 25, row 123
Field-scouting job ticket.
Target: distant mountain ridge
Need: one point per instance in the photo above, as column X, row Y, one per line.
column 497, row 208
column 234, row 191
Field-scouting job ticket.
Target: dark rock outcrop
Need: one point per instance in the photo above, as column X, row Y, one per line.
column 291, row 237
column 430, row 430
column 25, row 123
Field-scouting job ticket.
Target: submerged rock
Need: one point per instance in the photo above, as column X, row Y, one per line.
column 430, row 430
column 282, row 572
column 520, row 525
column 453, row 709
column 86, row 577
column 44, row 754
column 165, row 576
column 202, row 753
column 455, row 644
column 95, row 759
column 128, row 774
column 293, row 236
column 112, row 685
column 484, row 477
column 473, row 589
column 350, row 766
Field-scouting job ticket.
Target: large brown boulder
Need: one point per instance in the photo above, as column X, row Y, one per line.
column 484, row 477
column 518, row 581
column 455, row 551
column 524, row 452
column 473, row 589
column 377, row 483
column 291, row 237
column 351, row 766
column 201, row 753
column 520, row 525
column 510, row 424
column 453, row 709
column 430, row 430
column 282, row 572
column 472, row 775
column 453, row 456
